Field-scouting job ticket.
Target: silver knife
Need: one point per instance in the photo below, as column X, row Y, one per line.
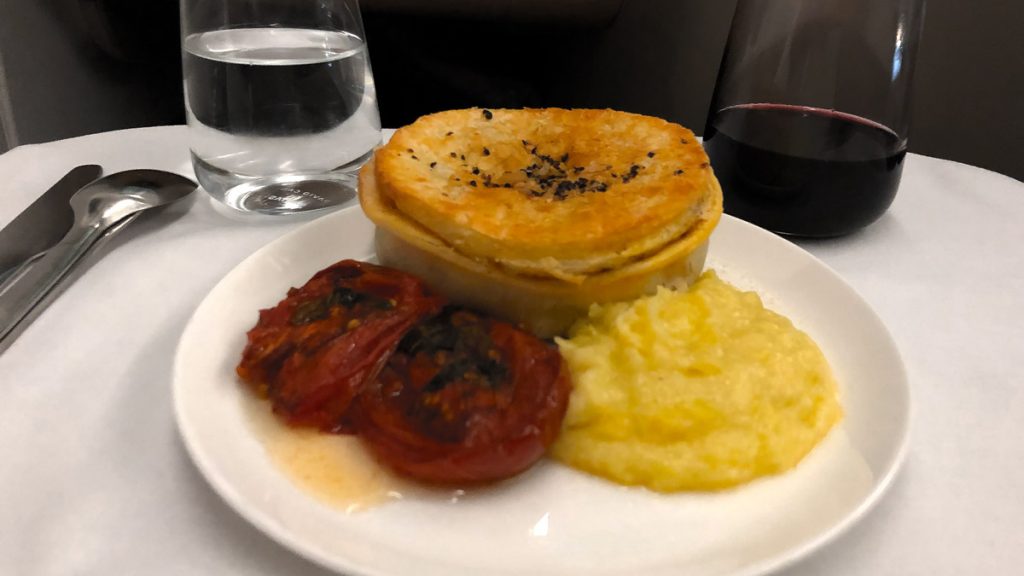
column 40, row 226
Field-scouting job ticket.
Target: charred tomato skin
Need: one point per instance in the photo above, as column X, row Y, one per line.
column 464, row 399
column 314, row 352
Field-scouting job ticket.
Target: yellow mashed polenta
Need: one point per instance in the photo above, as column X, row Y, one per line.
column 695, row 390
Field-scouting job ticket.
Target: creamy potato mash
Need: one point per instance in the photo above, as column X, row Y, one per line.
column 693, row 390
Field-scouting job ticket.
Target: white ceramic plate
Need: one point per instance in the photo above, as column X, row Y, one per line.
column 554, row 520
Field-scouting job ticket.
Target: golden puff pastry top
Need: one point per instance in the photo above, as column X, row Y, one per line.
column 548, row 192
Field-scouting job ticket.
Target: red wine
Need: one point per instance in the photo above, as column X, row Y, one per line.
column 803, row 171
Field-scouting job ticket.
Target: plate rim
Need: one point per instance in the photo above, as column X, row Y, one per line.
column 773, row 563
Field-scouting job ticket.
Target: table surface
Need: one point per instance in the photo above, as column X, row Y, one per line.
column 94, row 480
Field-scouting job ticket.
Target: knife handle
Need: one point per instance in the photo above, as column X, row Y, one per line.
column 24, row 294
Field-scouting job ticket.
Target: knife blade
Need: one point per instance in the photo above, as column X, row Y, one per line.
column 40, row 226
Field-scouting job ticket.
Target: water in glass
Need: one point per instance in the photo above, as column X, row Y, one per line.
column 278, row 117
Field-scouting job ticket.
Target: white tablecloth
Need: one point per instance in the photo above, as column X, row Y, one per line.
column 94, row 480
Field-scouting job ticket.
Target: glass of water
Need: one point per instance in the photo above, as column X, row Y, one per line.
column 280, row 100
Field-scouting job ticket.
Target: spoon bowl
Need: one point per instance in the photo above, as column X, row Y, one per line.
column 119, row 195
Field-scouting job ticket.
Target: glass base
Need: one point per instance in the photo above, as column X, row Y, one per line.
column 279, row 193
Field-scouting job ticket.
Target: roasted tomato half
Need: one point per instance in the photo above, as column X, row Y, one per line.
column 464, row 398
column 313, row 352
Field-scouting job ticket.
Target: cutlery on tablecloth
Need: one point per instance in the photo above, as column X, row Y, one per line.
column 101, row 209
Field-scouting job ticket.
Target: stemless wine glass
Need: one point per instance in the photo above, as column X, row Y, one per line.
column 808, row 123
column 280, row 101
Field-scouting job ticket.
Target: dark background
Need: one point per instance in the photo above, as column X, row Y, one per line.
column 72, row 67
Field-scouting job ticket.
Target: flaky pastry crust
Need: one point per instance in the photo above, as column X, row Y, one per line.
column 551, row 193
column 545, row 306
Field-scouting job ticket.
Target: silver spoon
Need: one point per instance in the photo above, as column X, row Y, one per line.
column 101, row 209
